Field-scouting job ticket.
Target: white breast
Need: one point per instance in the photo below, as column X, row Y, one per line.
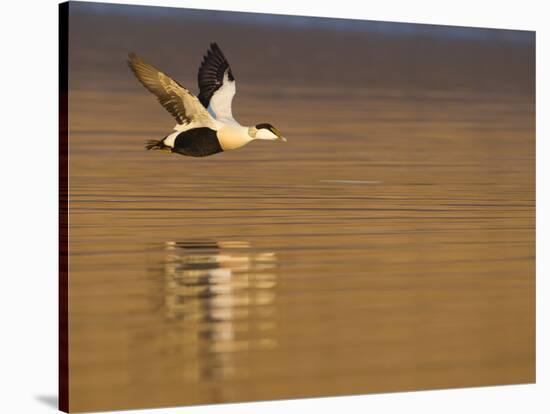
column 232, row 137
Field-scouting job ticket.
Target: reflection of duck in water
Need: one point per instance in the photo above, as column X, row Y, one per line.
column 223, row 294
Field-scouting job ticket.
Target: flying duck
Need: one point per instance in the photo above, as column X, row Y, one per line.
column 205, row 125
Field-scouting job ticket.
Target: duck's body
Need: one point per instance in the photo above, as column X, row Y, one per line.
column 205, row 125
column 197, row 142
column 204, row 141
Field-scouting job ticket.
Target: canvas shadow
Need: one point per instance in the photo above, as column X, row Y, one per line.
column 49, row 400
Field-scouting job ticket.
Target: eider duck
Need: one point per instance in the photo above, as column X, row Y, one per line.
column 205, row 125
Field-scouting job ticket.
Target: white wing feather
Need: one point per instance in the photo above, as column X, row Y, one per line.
column 220, row 103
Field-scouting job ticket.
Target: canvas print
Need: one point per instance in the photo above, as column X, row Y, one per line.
column 258, row 207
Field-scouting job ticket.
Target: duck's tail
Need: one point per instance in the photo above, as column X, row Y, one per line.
column 154, row 144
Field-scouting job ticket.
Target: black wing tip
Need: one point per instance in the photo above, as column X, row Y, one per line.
column 211, row 73
column 215, row 50
column 214, row 56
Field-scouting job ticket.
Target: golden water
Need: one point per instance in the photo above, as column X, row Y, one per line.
column 389, row 245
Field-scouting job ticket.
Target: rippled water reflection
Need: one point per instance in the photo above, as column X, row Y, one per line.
column 213, row 289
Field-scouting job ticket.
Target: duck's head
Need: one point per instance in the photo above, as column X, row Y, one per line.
column 266, row 131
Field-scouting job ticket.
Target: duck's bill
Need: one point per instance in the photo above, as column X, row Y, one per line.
column 280, row 138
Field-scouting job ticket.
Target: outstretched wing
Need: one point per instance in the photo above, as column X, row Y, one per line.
column 216, row 84
column 182, row 104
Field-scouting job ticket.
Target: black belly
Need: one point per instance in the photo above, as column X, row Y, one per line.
column 197, row 142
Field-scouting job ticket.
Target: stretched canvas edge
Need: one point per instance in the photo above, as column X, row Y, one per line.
column 63, row 374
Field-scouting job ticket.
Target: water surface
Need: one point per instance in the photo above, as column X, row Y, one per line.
column 388, row 246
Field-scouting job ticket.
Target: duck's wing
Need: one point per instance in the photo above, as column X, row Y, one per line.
column 182, row 104
column 217, row 84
